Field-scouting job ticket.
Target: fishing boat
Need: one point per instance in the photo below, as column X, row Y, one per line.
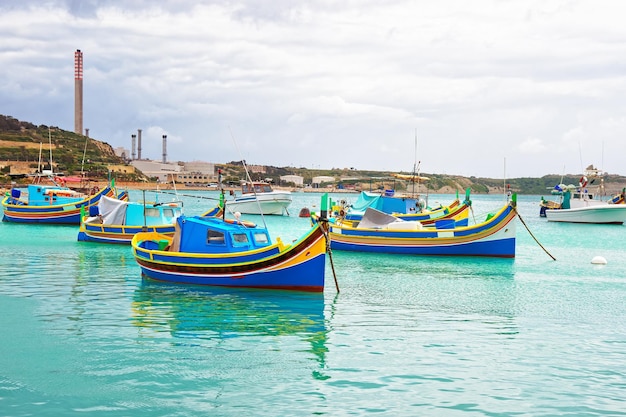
column 260, row 198
column 381, row 233
column 581, row 204
column 231, row 253
column 116, row 221
column 51, row 203
column 404, row 207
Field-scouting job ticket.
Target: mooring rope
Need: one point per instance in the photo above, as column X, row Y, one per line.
column 328, row 250
column 531, row 234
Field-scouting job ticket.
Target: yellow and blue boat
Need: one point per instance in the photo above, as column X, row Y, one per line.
column 116, row 221
column 405, row 207
column 51, row 203
column 223, row 252
column 380, row 233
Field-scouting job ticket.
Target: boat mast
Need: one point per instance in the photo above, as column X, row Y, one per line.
column 245, row 167
column 50, row 144
column 39, row 163
column 82, row 165
column 415, row 168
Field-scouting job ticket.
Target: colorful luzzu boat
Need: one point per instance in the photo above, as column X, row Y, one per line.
column 403, row 207
column 116, row 221
column 225, row 252
column 51, row 204
column 495, row 237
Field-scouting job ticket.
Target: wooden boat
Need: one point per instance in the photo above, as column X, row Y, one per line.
column 224, row 252
column 494, row 237
column 116, row 221
column 403, row 207
column 260, row 198
column 579, row 204
column 51, row 203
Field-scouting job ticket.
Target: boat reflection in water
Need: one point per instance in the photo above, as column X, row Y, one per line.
column 215, row 313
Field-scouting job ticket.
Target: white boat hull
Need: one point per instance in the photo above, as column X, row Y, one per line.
column 275, row 202
column 598, row 214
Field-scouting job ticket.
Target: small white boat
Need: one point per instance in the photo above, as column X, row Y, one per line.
column 259, row 197
column 603, row 213
column 578, row 205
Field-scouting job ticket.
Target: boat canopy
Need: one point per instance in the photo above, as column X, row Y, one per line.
column 213, row 235
column 114, row 211
column 385, row 204
column 257, row 187
column 374, row 219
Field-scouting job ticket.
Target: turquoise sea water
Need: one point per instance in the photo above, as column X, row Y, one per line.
column 82, row 334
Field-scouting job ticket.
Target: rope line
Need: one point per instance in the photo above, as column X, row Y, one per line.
column 324, row 227
column 531, row 234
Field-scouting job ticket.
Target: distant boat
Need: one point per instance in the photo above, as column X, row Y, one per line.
column 51, row 203
column 116, row 221
column 579, row 204
column 229, row 253
column 259, row 198
column 381, row 233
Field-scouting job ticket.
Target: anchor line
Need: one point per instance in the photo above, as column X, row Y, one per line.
column 324, row 227
column 531, row 234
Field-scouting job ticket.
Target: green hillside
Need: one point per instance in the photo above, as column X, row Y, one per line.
column 21, row 142
column 24, row 142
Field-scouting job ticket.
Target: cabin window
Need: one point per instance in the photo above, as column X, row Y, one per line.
column 152, row 212
column 244, row 189
column 261, row 238
column 215, row 238
column 267, row 189
column 240, row 238
column 168, row 212
column 257, row 188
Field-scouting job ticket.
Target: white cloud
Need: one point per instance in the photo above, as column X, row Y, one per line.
column 532, row 146
column 354, row 79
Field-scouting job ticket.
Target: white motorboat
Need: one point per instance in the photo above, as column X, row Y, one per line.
column 259, row 197
column 579, row 205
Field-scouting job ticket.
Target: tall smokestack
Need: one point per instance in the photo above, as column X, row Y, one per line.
column 165, row 149
column 132, row 147
column 138, row 143
column 78, row 92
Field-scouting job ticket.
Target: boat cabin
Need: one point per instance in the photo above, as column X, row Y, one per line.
column 112, row 211
column 255, row 187
column 215, row 235
column 44, row 195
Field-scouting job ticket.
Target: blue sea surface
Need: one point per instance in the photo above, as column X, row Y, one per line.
column 82, row 334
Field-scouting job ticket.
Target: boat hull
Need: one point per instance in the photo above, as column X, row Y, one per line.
column 118, row 234
column 493, row 238
column 68, row 213
column 268, row 203
column 300, row 266
column 596, row 214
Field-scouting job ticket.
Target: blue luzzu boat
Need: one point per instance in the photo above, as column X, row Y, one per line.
column 411, row 208
column 116, row 221
column 229, row 253
column 51, row 203
column 495, row 237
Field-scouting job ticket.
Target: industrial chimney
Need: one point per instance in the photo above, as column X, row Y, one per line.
column 78, row 92
column 165, row 149
column 138, row 143
column 132, row 146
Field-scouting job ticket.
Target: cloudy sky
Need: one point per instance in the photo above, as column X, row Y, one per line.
column 490, row 88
